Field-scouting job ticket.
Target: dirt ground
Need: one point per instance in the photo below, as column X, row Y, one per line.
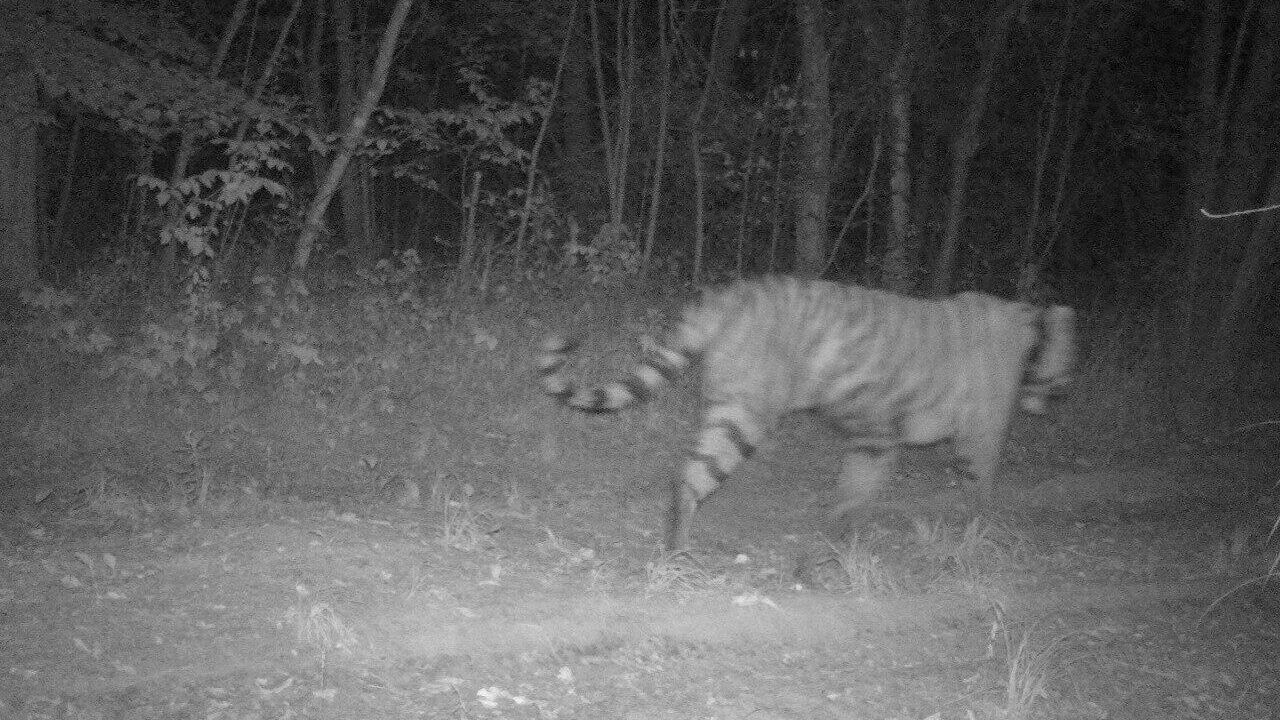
column 474, row 608
column 444, row 544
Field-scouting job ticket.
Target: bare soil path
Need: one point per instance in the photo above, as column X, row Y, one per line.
column 303, row 609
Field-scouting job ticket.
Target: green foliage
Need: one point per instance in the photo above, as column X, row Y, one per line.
column 207, row 197
column 209, row 346
column 205, row 347
column 137, row 67
column 52, row 318
column 612, row 255
column 479, row 132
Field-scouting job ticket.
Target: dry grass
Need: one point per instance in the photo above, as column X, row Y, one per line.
column 862, row 565
column 984, row 546
column 318, row 627
column 1030, row 663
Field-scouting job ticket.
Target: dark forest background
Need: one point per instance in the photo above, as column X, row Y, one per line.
column 193, row 153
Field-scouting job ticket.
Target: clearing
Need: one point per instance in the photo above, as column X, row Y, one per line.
column 428, row 538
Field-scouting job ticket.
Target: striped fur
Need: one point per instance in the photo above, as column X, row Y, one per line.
column 888, row 370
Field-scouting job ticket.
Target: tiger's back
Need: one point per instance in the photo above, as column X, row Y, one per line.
column 888, row 370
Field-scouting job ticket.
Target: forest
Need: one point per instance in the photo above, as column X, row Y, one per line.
column 1113, row 156
column 274, row 274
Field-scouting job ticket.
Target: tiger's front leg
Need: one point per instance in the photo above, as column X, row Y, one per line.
column 863, row 474
column 730, row 434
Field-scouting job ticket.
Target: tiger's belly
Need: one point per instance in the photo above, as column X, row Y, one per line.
column 927, row 428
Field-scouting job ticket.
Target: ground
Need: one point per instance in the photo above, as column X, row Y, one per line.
column 443, row 545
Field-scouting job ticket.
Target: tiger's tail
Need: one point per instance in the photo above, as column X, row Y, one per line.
column 666, row 363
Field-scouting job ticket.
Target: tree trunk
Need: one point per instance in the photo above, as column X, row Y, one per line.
column 1255, row 181
column 532, row 175
column 729, row 17
column 58, row 233
column 19, row 171
column 313, row 224
column 579, row 137
column 665, row 25
column 1224, row 259
column 187, row 143
column 814, row 175
column 964, row 145
column 313, row 85
column 1201, row 178
column 353, row 220
column 902, row 251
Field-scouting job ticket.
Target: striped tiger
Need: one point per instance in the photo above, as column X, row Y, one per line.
column 886, row 369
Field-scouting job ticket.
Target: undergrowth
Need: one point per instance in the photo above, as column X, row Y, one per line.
column 1122, row 402
column 131, row 405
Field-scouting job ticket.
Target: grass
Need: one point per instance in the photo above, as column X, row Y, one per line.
column 428, row 406
column 672, row 576
column 440, row 384
column 419, row 380
column 984, row 546
column 318, row 627
column 1029, row 664
column 863, row 570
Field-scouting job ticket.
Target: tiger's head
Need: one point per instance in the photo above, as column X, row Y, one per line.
column 1053, row 359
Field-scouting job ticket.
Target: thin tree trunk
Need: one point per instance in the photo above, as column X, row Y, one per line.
column 1223, row 261
column 58, row 234
column 313, row 224
column 1201, row 175
column 625, row 69
column 269, row 67
column 187, row 144
column 877, row 149
column 578, row 129
column 964, row 145
column 1045, row 228
column 716, row 61
column 616, row 135
column 1047, row 124
column 665, row 26
column 242, row 130
column 532, row 175
column 1248, row 246
column 775, row 212
column 1233, row 322
column 896, row 269
column 814, row 174
column 602, row 104
column 20, row 160
column 315, row 89
column 352, row 207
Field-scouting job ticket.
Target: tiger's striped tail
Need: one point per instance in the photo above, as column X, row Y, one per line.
column 638, row 387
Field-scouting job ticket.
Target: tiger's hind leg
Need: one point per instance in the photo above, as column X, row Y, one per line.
column 730, row 433
column 863, row 474
column 981, row 456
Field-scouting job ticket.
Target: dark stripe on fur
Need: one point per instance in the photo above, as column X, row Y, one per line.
column 713, row 469
column 597, row 402
column 563, row 394
column 640, row 392
column 740, row 442
column 668, row 371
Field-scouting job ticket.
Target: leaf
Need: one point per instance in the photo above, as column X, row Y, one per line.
column 99, row 341
column 304, row 354
column 483, row 337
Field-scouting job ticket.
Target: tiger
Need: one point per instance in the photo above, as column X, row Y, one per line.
column 887, row 370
